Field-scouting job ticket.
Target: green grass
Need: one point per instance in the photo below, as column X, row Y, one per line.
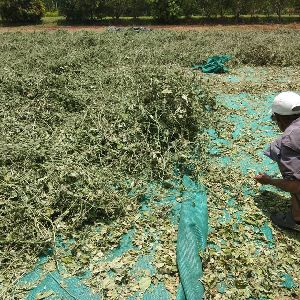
column 52, row 20
column 52, row 14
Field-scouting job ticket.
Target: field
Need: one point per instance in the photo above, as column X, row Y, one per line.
column 54, row 22
column 103, row 136
column 51, row 24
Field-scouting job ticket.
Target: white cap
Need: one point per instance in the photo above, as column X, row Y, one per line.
column 286, row 104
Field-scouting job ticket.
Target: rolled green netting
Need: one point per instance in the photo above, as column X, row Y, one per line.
column 214, row 64
column 192, row 237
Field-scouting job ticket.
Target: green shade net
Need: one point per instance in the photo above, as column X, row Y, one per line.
column 192, row 215
column 255, row 119
column 192, row 237
column 214, row 64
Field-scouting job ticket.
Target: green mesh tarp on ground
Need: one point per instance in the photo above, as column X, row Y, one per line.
column 250, row 132
column 214, row 64
column 191, row 214
column 260, row 128
column 192, row 235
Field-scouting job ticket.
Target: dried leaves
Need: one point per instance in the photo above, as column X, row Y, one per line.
column 246, row 256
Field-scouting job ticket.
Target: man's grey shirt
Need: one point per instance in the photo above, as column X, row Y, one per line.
column 285, row 150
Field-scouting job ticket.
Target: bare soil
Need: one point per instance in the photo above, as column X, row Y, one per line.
column 33, row 28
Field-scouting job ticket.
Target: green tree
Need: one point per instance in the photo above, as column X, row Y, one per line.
column 207, row 7
column 222, row 6
column 252, row 7
column 237, row 7
column 51, row 5
column 267, row 7
column 296, row 6
column 137, row 8
column 22, row 10
column 279, row 6
column 78, row 10
column 165, row 10
column 116, row 8
column 189, row 7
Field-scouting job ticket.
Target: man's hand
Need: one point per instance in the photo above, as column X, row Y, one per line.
column 287, row 185
column 263, row 178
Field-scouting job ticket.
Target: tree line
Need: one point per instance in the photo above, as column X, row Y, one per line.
column 161, row 10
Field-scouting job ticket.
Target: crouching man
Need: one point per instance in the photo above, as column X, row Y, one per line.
column 285, row 150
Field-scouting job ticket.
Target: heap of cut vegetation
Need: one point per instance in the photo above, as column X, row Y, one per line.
column 88, row 118
column 81, row 129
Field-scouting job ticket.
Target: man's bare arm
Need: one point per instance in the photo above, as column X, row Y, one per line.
column 291, row 186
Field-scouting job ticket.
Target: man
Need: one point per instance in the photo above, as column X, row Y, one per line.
column 285, row 150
